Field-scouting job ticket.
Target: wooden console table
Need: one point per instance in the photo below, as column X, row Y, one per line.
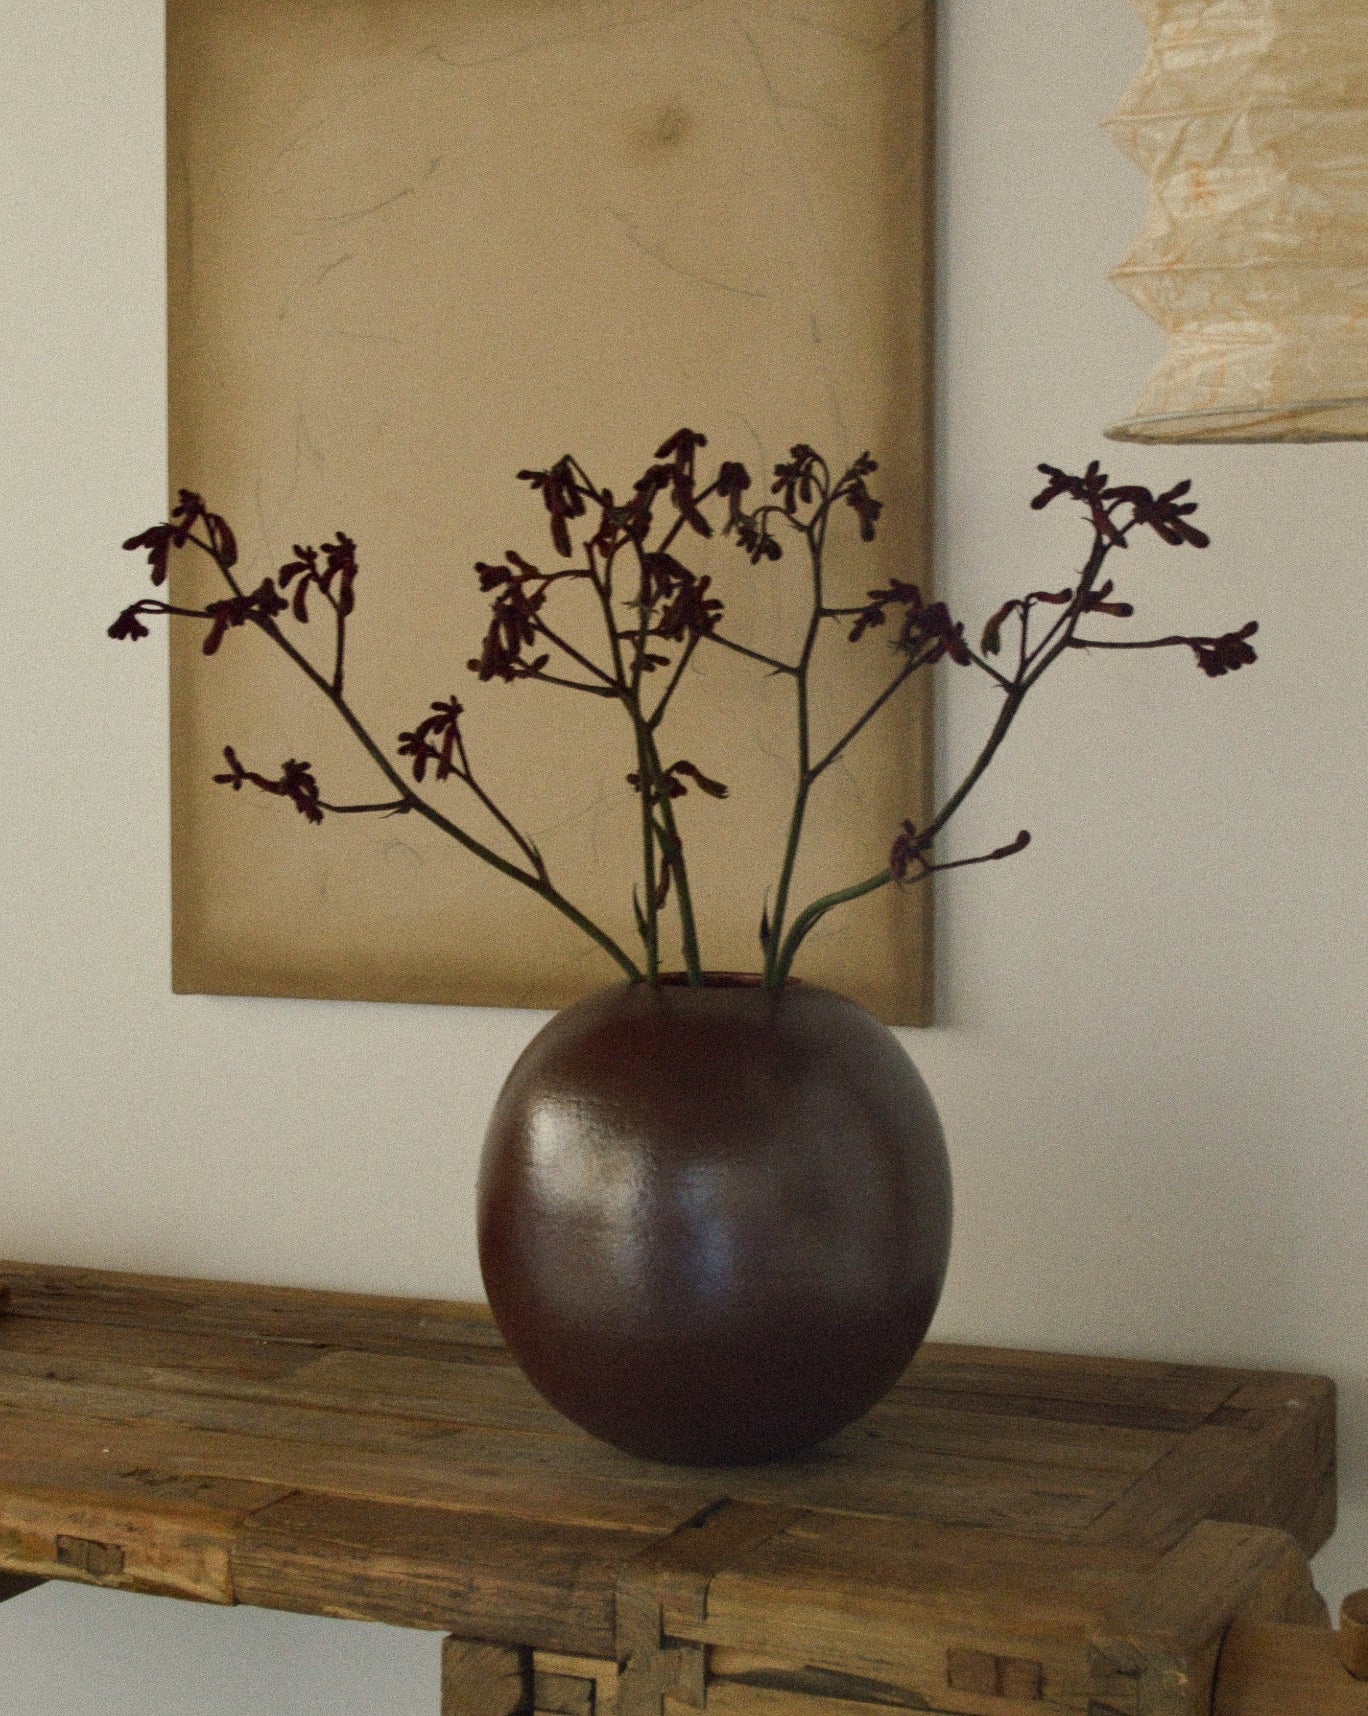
column 1008, row 1534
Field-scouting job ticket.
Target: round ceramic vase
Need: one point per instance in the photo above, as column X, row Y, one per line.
column 714, row 1221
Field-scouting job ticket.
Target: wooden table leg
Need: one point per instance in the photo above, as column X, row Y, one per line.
column 485, row 1679
column 1353, row 1634
column 1270, row 1668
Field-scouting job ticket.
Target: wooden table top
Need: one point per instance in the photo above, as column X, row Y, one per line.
column 384, row 1459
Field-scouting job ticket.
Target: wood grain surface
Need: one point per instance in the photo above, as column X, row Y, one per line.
column 1007, row 1531
column 1276, row 1669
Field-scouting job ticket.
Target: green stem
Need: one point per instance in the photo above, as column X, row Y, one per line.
column 593, row 667
column 674, row 856
column 894, row 685
column 808, row 919
column 816, row 541
column 753, row 654
column 515, row 834
column 1026, row 678
column 649, row 914
column 340, row 644
column 651, row 935
column 685, row 657
column 773, row 977
column 654, row 786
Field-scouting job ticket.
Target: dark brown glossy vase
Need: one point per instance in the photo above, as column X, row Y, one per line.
column 714, row 1222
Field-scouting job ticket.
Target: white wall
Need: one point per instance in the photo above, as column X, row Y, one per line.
column 1151, row 1055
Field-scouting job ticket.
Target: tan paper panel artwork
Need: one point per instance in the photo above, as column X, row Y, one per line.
column 417, row 246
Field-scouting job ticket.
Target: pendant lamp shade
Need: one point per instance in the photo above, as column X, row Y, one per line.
column 1251, row 119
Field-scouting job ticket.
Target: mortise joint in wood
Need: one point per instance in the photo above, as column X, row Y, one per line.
column 668, row 1586
column 99, row 1560
column 991, row 1676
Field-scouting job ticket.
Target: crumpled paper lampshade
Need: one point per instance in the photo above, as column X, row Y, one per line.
column 1251, row 119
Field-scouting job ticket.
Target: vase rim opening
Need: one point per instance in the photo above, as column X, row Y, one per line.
column 715, row 980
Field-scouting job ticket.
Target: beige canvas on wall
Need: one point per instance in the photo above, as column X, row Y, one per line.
column 419, row 245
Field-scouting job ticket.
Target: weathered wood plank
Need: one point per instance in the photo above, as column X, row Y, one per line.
column 374, row 1323
column 868, row 1469
column 133, row 1487
column 731, row 1699
column 451, row 1393
column 137, row 1541
column 1292, row 1484
column 854, row 1474
column 728, row 1666
column 911, row 1653
column 915, row 1419
column 888, row 1602
column 921, row 1421
column 554, row 1476
column 456, row 1392
column 963, row 1621
column 368, row 1322
column 1257, row 1462
column 1163, row 1505
column 497, row 1396
column 484, row 1576
column 1043, row 1411
column 32, row 1340
column 678, row 1569
column 863, row 1471
column 250, row 1412
column 427, row 1473
column 603, row 1669
column 1187, row 1392
column 562, row 1694
column 868, row 1562
column 501, row 1398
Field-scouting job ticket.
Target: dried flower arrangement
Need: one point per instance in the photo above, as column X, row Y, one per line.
column 655, row 614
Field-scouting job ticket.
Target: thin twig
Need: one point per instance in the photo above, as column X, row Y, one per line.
column 754, row 654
